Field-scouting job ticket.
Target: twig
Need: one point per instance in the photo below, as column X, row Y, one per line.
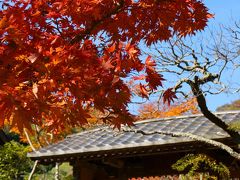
column 33, row 170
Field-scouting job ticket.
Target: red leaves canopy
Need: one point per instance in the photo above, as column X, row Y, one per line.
column 59, row 57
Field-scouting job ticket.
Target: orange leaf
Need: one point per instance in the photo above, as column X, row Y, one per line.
column 36, row 14
column 3, row 22
column 111, row 48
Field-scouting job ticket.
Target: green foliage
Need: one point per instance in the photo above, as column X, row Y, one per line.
column 13, row 160
column 48, row 172
column 65, row 171
column 194, row 164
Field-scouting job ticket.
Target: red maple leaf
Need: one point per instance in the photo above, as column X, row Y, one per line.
column 169, row 96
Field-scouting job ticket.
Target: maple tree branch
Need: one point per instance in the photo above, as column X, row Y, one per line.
column 220, row 145
column 88, row 31
column 47, row 142
column 58, row 28
column 29, row 141
column 38, row 135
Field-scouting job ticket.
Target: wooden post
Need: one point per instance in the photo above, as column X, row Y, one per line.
column 76, row 170
column 122, row 175
column 83, row 170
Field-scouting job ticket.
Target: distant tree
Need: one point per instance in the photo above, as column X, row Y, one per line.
column 156, row 110
column 235, row 105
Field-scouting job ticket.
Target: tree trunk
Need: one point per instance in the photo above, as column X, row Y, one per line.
column 207, row 113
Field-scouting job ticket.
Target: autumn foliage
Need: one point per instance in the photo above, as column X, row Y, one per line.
column 155, row 110
column 60, row 57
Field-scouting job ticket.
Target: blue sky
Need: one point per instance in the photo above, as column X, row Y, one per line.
column 225, row 12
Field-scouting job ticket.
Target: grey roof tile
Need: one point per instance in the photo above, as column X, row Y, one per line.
column 105, row 138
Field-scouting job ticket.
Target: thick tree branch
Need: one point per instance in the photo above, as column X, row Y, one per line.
column 206, row 112
column 220, row 145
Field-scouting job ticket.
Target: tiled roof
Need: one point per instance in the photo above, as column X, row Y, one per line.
column 105, row 139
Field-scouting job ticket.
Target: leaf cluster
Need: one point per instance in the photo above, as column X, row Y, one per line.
column 60, row 58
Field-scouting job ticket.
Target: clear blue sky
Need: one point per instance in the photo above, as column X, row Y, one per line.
column 225, row 12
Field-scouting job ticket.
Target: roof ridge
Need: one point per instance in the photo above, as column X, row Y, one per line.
column 152, row 120
column 89, row 130
column 183, row 116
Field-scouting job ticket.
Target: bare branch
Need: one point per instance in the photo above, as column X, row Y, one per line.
column 33, row 170
column 33, row 148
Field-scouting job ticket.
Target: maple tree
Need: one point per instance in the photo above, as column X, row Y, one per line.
column 60, row 57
